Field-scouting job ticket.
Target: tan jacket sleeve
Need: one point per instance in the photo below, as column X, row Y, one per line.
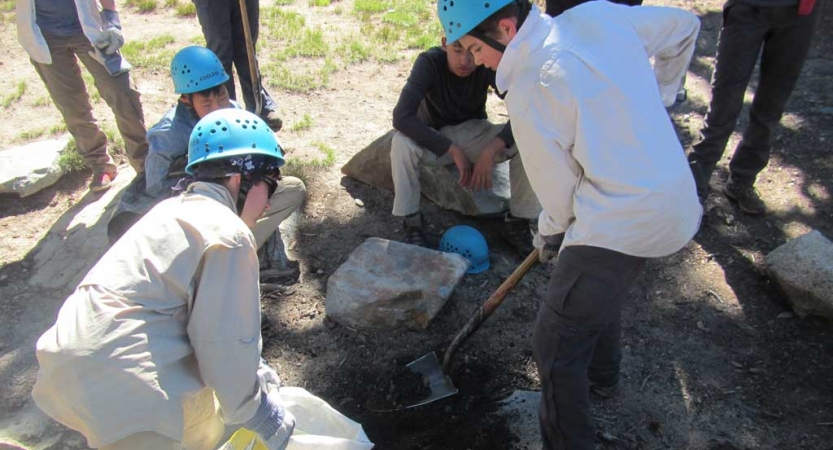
column 224, row 328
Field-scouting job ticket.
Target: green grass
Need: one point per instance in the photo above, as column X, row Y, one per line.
column 70, row 160
column 115, row 143
column 319, row 2
column 152, row 54
column 28, row 135
column 15, row 95
column 304, row 124
column 43, row 100
column 281, row 24
column 146, row 6
column 355, row 51
column 371, row 6
column 92, row 91
column 283, row 2
column 303, row 169
column 311, row 44
column 293, row 80
column 186, row 10
column 171, row 3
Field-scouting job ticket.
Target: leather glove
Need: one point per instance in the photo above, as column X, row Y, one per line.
column 547, row 246
column 111, row 39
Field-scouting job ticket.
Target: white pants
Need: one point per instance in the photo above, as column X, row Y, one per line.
column 472, row 136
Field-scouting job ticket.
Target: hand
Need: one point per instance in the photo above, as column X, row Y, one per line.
column 463, row 165
column 280, row 439
column 547, row 246
column 482, row 173
column 269, row 379
column 111, row 38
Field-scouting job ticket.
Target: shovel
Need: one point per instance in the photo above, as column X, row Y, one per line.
column 429, row 367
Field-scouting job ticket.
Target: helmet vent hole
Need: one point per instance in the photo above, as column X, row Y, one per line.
column 245, row 127
column 450, row 3
column 445, row 8
column 225, row 129
column 254, row 127
column 213, row 131
column 220, row 148
column 487, row 5
column 254, row 145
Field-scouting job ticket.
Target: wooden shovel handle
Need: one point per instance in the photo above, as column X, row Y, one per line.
column 250, row 53
column 486, row 310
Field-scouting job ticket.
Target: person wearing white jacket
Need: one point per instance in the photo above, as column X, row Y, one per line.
column 159, row 345
column 588, row 114
column 57, row 34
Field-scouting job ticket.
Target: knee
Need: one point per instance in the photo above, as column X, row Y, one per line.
column 294, row 190
column 402, row 148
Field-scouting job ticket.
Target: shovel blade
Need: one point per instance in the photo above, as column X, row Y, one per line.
column 432, row 371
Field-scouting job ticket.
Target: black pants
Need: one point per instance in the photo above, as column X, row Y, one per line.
column 556, row 7
column 577, row 340
column 222, row 26
column 782, row 39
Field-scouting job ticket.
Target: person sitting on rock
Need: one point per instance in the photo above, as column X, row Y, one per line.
column 440, row 119
column 200, row 81
column 159, row 346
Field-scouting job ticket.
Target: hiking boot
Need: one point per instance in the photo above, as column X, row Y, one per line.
column 604, row 391
column 274, row 263
column 272, row 119
column 413, row 225
column 746, row 197
column 518, row 232
column 102, row 181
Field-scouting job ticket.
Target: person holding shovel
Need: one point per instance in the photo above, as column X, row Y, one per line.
column 224, row 28
column 200, row 81
column 440, row 119
column 57, row 34
column 159, row 345
column 588, row 112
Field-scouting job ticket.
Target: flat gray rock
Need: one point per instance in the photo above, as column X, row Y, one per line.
column 29, row 168
column 439, row 184
column 387, row 285
column 803, row 269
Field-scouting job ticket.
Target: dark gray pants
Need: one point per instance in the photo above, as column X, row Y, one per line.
column 222, row 26
column 577, row 339
column 782, row 39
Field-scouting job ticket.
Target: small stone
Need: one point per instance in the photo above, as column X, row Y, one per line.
column 359, row 203
column 701, row 326
column 319, row 271
column 785, row 315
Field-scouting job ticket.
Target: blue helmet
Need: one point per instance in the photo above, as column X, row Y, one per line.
column 237, row 136
column 196, row 69
column 459, row 17
column 468, row 242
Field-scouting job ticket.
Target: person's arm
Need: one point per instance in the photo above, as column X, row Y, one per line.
column 224, row 331
column 669, row 36
column 166, row 142
column 405, row 119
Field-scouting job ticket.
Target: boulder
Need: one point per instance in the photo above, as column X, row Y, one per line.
column 29, row 168
column 439, row 184
column 803, row 269
column 386, row 285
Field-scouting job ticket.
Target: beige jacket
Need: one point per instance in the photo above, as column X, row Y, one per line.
column 170, row 313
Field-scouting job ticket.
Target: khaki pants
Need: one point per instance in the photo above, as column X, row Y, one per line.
column 406, row 157
column 287, row 199
column 66, row 87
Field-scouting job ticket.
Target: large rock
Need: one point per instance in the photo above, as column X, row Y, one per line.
column 29, row 168
column 372, row 166
column 385, row 285
column 803, row 268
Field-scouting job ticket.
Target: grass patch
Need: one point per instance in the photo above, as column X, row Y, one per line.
column 171, row 3
column 319, row 3
column 281, row 24
column 15, row 95
column 371, row 6
column 43, row 100
column 28, row 135
column 304, row 124
column 283, row 2
column 293, row 80
column 115, row 143
column 303, row 169
column 186, row 10
column 70, row 160
column 355, row 51
column 146, row 6
column 311, row 44
column 151, row 54
column 7, row 6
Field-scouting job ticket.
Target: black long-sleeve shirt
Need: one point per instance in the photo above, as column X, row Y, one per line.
column 434, row 97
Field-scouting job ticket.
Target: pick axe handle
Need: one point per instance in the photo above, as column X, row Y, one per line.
column 486, row 310
column 250, row 52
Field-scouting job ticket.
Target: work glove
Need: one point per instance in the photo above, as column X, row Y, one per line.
column 269, row 379
column 111, row 39
column 547, row 245
column 274, row 437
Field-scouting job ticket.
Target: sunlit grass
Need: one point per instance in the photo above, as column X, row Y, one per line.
column 70, row 160
column 319, row 2
column 371, row 6
column 304, row 168
column 187, row 9
column 281, row 24
column 15, row 95
column 311, row 44
column 151, row 54
column 304, row 124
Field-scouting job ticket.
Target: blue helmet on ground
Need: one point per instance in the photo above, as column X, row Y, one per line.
column 235, row 136
column 468, row 242
column 196, row 69
column 459, row 17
